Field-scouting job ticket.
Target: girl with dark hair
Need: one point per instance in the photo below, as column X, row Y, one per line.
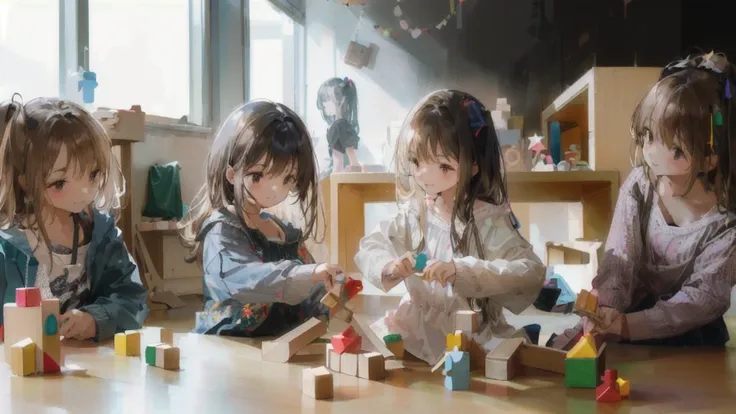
column 670, row 260
column 337, row 101
column 453, row 208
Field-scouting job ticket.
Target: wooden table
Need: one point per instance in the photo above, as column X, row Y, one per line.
column 349, row 192
column 223, row 375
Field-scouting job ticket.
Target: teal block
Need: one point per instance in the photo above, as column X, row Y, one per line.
column 457, row 371
column 151, row 355
column 582, row 372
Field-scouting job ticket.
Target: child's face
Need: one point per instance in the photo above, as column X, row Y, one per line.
column 330, row 107
column 436, row 175
column 68, row 187
column 268, row 189
column 665, row 161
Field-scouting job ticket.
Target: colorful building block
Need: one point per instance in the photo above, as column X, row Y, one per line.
column 150, row 354
column 51, row 343
column 28, row 297
column 586, row 304
column 420, row 262
column 347, row 341
column 352, row 287
column 2, row 332
column 585, row 348
column 608, row 390
column 457, row 340
column 167, row 357
column 23, row 357
column 623, row 387
column 344, row 314
column 371, row 366
column 467, row 321
column 585, row 372
column 317, row 383
column 457, row 371
column 395, row 343
column 166, row 336
column 21, row 323
column 128, row 343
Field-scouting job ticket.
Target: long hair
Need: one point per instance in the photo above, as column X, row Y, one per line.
column 33, row 135
column 345, row 96
column 690, row 107
column 259, row 131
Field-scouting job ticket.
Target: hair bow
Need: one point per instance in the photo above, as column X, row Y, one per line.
column 475, row 116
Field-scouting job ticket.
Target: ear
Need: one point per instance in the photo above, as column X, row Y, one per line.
column 230, row 175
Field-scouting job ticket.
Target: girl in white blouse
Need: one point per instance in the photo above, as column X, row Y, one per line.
column 452, row 207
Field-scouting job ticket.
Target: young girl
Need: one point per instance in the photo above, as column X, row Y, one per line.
column 670, row 263
column 453, row 207
column 259, row 280
column 59, row 183
column 337, row 101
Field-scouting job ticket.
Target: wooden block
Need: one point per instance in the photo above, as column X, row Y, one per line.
column 541, row 357
column 349, row 364
column 582, row 373
column 23, row 354
column 347, row 341
column 317, row 383
column 363, row 328
column 2, row 332
column 623, row 387
column 344, row 314
column 21, row 323
column 167, row 336
column 330, row 300
column 477, row 355
column 586, row 304
column 585, row 348
column 27, row 297
column 457, row 340
column 334, row 358
column 372, row 366
column 503, row 362
column 167, row 357
column 150, row 355
column 467, row 321
column 457, row 371
column 51, row 343
column 395, row 345
column 128, row 343
column 283, row 348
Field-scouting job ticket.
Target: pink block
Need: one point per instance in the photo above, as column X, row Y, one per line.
column 27, row 297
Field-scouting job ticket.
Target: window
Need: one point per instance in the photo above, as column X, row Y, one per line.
column 139, row 50
column 274, row 64
column 29, row 48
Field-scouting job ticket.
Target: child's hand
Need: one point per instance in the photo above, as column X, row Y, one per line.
column 401, row 267
column 610, row 327
column 326, row 273
column 76, row 324
column 443, row 272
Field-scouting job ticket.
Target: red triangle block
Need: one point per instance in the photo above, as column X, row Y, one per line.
column 607, row 393
column 2, row 333
column 49, row 365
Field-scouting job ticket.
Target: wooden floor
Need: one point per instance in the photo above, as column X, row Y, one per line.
column 221, row 375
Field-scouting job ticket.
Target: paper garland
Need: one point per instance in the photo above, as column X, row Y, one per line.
column 415, row 32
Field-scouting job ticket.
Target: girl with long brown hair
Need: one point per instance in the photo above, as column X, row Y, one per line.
column 453, row 208
column 259, row 280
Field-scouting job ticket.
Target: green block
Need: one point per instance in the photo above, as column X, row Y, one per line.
column 151, row 355
column 390, row 338
column 582, row 372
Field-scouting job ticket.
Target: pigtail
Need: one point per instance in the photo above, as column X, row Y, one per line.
column 10, row 117
column 350, row 104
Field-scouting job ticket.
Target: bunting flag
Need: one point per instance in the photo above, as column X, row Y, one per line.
column 415, row 32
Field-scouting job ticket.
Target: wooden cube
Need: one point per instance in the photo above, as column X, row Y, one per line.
column 317, row 383
column 344, row 314
column 150, row 354
column 28, row 297
column 349, row 364
column 372, row 366
column 23, row 360
column 21, row 323
column 502, row 363
column 167, row 336
column 333, row 358
column 167, row 357
column 466, row 321
column 128, row 343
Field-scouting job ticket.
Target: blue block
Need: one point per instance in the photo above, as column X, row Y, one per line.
column 420, row 262
column 457, row 371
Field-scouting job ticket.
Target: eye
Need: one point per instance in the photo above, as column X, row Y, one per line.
column 679, row 154
column 57, row 185
column 414, row 161
column 290, row 179
column 445, row 168
column 255, row 177
column 94, row 174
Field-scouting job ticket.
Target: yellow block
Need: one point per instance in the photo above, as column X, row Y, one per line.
column 585, row 348
column 623, row 387
column 23, row 357
column 128, row 343
column 456, row 339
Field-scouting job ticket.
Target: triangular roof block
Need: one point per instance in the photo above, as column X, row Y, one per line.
column 585, row 348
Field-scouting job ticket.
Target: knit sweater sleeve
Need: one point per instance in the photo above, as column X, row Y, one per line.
column 617, row 271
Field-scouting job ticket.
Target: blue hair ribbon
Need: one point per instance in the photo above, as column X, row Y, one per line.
column 475, row 116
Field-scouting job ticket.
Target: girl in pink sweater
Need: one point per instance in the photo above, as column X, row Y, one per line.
column 669, row 264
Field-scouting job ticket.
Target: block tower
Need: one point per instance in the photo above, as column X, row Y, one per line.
column 35, row 319
column 584, row 364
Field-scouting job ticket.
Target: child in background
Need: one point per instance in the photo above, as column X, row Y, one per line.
column 259, row 280
column 453, row 207
column 670, row 263
column 59, row 184
column 337, row 101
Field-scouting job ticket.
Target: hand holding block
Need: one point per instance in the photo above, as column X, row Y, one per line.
column 586, row 304
column 317, row 383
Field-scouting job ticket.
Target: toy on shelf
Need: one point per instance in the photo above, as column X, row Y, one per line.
column 501, row 114
column 395, row 344
column 31, row 328
column 541, row 160
column 584, row 364
column 128, row 343
column 503, row 362
column 163, row 356
column 612, row 388
column 318, row 383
